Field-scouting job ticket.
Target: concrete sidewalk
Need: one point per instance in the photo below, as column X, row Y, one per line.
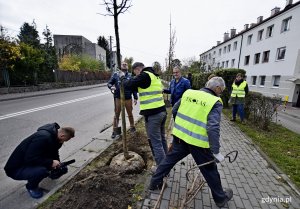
column 254, row 182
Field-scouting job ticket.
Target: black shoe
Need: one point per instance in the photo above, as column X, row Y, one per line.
column 229, row 195
column 156, row 187
column 35, row 193
column 233, row 119
column 113, row 135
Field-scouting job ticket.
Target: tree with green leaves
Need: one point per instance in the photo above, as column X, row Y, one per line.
column 9, row 53
column 27, row 68
column 50, row 59
column 102, row 42
column 29, row 35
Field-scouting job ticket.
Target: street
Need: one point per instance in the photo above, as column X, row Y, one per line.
column 88, row 111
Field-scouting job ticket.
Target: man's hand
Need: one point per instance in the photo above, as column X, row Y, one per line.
column 135, row 101
column 113, row 88
column 121, row 74
column 219, row 157
column 55, row 164
column 170, row 147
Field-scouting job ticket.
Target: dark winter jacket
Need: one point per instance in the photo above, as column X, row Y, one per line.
column 143, row 81
column 176, row 89
column 115, row 81
column 213, row 122
column 39, row 149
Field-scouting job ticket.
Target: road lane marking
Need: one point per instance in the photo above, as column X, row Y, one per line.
column 50, row 106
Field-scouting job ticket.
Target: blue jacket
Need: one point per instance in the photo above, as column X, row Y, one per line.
column 177, row 89
column 213, row 122
column 115, row 81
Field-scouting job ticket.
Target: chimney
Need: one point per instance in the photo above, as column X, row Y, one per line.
column 226, row 36
column 252, row 24
column 259, row 19
column 246, row 26
column 232, row 32
column 275, row 11
column 289, row 2
column 218, row 43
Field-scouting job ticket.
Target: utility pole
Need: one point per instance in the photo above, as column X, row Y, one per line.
column 170, row 45
column 110, row 53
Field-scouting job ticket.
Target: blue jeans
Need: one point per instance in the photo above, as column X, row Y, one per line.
column 201, row 155
column 34, row 175
column 155, row 128
column 238, row 108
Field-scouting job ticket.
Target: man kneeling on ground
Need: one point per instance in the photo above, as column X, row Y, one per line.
column 37, row 155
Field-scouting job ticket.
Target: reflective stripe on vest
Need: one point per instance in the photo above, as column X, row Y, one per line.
column 151, row 97
column 191, row 119
column 238, row 91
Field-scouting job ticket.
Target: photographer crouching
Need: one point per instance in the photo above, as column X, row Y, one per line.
column 37, row 156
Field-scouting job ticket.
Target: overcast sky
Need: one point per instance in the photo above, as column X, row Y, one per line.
column 144, row 29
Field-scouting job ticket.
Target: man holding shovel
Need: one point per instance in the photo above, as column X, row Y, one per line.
column 114, row 85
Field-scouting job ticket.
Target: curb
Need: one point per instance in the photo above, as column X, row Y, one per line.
column 53, row 91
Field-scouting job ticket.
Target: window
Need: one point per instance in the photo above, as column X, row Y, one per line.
column 229, row 47
column 247, row 59
column 249, row 39
column 227, row 63
column 285, row 26
column 260, row 35
column 266, row 56
column 224, row 50
column 232, row 62
column 280, row 53
column 276, row 79
column 213, row 61
column 223, row 63
column 220, row 52
column 253, row 80
column 214, row 52
column 234, row 45
column 262, row 80
column 270, row 31
column 209, row 56
column 256, row 58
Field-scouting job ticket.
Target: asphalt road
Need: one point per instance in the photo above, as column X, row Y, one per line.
column 88, row 111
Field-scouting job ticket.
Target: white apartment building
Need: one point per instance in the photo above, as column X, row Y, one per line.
column 269, row 51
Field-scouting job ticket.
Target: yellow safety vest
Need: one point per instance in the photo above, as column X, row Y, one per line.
column 238, row 91
column 151, row 97
column 191, row 119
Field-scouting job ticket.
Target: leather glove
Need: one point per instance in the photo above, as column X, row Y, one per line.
column 121, row 74
column 219, row 157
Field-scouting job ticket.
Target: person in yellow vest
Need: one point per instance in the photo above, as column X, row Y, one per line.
column 237, row 98
column 152, row 106
column 197, row 132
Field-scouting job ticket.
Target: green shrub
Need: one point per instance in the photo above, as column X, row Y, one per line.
column 260, row 108
column 80, row 63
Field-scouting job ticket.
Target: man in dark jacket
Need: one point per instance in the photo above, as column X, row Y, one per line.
column 178, row 86
column 152, row 106
column 197, row 132
column 36, row 155
column 114, row 84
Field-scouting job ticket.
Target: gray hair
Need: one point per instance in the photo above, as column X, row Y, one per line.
column 214, row 82
column 138, row 64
